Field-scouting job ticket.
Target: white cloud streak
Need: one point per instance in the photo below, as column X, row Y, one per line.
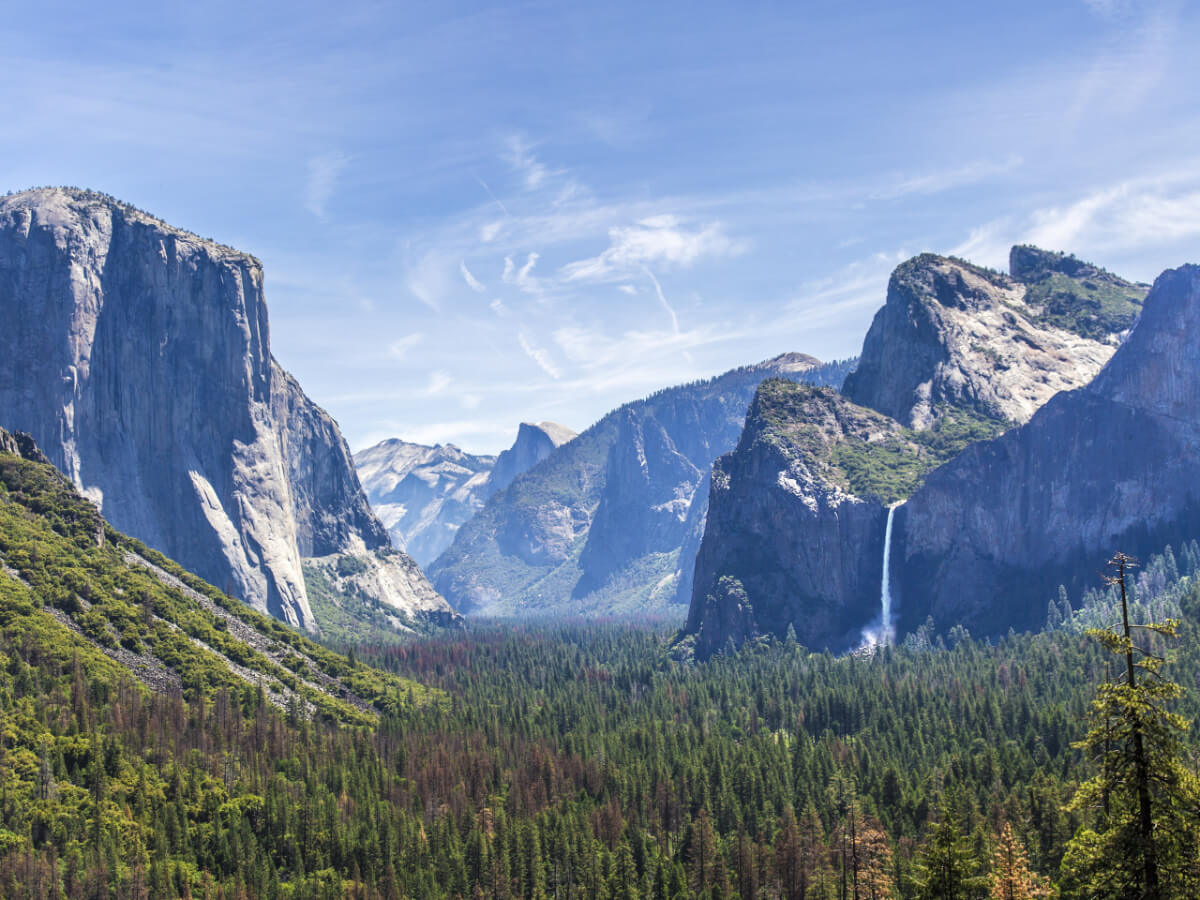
column 323, row 173
column 439, row 383
column 398, row 349
column 539, row 356
column 1135, row 214
column 521, row 278
column 662, row 240
column 518, row 152
column 472, row 282
column 949, row 179
column 430, row 280
column 662, row 299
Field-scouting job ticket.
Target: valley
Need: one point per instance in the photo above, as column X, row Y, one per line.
column 803, row 629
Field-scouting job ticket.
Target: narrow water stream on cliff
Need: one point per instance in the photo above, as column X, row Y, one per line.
column 885, row 592
column 883, row 632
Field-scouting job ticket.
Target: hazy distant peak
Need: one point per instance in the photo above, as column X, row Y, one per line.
column 790, row 362
column 558, row 434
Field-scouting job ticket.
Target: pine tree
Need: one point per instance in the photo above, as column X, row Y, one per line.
column 1144, row 837
column 1053, row 616
column 1012, row 878
column 701, row 852
column 1064, row 605
column 947, row 869
column 875, row 877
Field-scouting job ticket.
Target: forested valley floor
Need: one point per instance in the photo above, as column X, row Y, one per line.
column 574, row 761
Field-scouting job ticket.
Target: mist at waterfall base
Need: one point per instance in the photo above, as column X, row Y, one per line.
column 882, row 631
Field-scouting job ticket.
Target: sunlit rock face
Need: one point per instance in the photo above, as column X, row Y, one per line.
column 953, row 335
column 138, row 356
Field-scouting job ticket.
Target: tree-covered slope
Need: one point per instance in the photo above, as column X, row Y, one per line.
column 79, row 586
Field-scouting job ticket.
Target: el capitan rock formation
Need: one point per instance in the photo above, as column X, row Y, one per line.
column 138, row 356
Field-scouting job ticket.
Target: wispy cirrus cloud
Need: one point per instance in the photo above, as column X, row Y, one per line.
column 323, row 173
column 522, row 277
column 399, row 348
column 431, row 279
column 936, row 182
column 439, row 383
column 1161, row 210
column 472, row 282
column 539, row 355
column 518, row 152
column 661, row 239
column 1124, row 216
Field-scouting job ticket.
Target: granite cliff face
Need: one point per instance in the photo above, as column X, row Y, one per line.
column 1111, row 466
column 786, row 542
column 953, row 335
column 533, row 444
column 597, row 526
column 138, row 356
column 424, row 494
column 956, row 357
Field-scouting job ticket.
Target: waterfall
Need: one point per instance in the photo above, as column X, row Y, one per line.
column 882, row 632
column 885, row 592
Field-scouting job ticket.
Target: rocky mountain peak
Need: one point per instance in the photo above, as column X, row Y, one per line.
column 952, row 335
column 790, row 363
column 533, row 444
column 1158, row 366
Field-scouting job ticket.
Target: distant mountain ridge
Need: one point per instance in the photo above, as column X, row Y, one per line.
column 598, row 526
column 138, row 356
column 957, row 356
column 424, row 494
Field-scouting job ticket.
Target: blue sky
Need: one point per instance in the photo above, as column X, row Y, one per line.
column 473, row 215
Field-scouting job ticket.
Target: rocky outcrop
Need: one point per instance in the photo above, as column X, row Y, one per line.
column 953, row 335
column 138, row 356
column 1109, row 467
column 533, row 444
column 21, row 444
column 424, row 494
column 388, row 579
column 598, row 525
